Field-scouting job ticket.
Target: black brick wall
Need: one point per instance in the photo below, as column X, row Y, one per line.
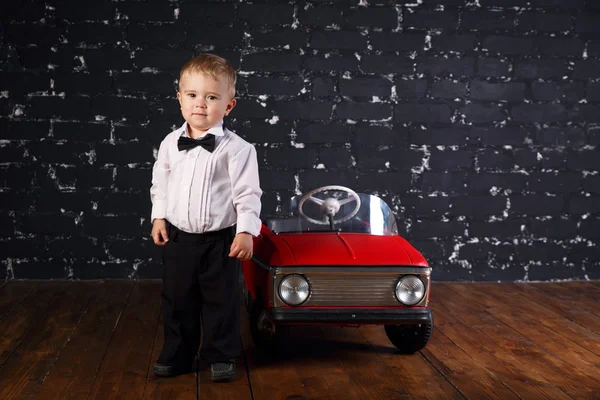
column 478, row 121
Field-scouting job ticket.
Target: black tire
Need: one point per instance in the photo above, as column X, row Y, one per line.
column 268, row 342
column 409, row 339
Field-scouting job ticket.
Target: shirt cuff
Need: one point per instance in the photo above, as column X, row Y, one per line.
column 248, row 223
column 158, row 210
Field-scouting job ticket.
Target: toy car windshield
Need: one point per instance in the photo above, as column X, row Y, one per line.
column 336, row 209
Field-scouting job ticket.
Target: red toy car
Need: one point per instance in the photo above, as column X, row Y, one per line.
column 337, row 259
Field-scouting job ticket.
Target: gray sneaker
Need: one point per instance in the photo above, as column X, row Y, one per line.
column 222, row 371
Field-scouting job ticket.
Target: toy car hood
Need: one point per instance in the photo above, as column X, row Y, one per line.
column 343, row 249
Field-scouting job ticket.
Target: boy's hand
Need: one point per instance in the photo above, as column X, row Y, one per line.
column 241, row 248
column 159, row 232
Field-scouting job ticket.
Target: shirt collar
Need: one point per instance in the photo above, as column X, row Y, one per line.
column 216, row 129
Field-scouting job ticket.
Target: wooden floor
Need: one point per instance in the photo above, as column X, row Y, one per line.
column 99, row 340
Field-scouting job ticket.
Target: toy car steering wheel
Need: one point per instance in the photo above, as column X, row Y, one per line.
column 330, row 206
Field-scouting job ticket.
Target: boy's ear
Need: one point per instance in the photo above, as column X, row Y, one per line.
column 179, row 97
column 230, row 106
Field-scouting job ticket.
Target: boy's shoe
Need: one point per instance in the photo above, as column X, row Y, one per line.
column 222, row 371
column 166, row 371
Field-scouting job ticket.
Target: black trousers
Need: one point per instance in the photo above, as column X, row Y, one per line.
column 200, row 285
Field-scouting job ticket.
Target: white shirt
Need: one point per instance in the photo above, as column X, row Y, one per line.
column 199, row 191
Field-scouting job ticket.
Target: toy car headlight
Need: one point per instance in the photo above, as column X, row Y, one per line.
column 410, row 290
column 294, row 289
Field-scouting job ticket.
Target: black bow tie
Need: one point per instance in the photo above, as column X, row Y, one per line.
column 186, row 143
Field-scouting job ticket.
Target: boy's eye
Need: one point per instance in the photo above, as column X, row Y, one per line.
column 192, row 95
column 212, row 97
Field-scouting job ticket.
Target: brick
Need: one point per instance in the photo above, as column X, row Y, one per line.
column 286, row 158
column 126, row 204
column 116, row 107
column 163, row 35
column 540, row 252
column 411, row 88
column 496, row 229
column 540, row 158
column 54, row 106
column 276, row 180
column 584, row 205
column 310, row 110
column 124, row 153
column 380, row 17
column 442, row 66
column 451, row 135
column 148, row 11
column 146, row 83
column 365, row 86
column 591, row 184
column 229, row 37
column 332, row 63
column 368, row 111
column 12, row 152
column 104, row 59
column 35, row 57
column 547, row 182
column 450, row 160
column 214, row 14
column 324, row 87
column 81, row 131
column 586, row 23
column 586, row 112
column 560, row 47
column 479, row 113
column 18, row 12
column 427, row 113
column 448, row 182
column 589, row 229
column 16, row 177
column 555, row 229
column 435, row 229
column 126, row 249
column 315, row 178
column 250, row 108
column 486, row 251
column 271, row 62
column 495, row 160
column 498, row 136
column 83, row 82
column 430, row 19
column 544, row 69
column 593, row 48
column 536, row 205
column 47, row 224
column 24, row 82
column 320, row 16
column 286, row 85
column 508, row 45
column 387, row 64
column 76, row 247
column 492, row 67
column 584, row 160
column 478, row 207
column 162, row 58
column 402, row 42
column 593, row 92
column 277, row 14
column 586, row 69
column 425, row 206
column 60, row 153
column 487, row 20
column 561, row 4
column 381, row 135
column 560, row 137
column 279, row 38
column 537, row 112
column 94, row 33
column 114, row 226
column 85, row 177
column 97, row 11
column 40, row 269
column 392, row 182
column 545, row 91
column 511, row 92
column 446, row 89
column 338, row 40
column 324, row 133
column 7, row 229
column 545, row 22
column 488, row 182
column 398, row 160
column 335, row 157
column 455, row 43
column 24, row 130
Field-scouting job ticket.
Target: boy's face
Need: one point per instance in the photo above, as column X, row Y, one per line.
column 204, row 100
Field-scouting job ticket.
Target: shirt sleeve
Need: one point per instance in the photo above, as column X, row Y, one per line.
column 160, row 176
column 245, row 189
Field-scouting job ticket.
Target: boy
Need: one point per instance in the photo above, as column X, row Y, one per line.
column 205, row 209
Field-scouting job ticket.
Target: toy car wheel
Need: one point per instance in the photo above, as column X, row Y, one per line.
column 267, row 337
column 409, row 339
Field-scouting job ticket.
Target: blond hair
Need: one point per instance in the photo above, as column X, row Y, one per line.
column 213, row 65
